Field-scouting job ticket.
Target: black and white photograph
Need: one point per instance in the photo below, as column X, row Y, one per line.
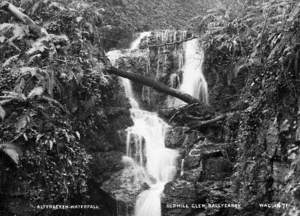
column 149, row 107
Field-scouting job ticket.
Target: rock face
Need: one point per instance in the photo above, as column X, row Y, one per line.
column 106, row 143
column 203, row 177
column 178, row 195
column 179, row 136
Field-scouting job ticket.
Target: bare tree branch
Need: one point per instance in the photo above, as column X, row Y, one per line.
column 199, row 124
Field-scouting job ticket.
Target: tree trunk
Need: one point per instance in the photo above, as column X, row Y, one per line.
column 155, row 85
column 34, row 28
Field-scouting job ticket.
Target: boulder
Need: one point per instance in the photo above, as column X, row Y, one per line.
column 177, row 137
column 177, row 198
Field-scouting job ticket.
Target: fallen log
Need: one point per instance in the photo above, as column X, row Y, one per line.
column 154, row 84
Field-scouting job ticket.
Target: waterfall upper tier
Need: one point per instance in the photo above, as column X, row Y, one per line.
column 194, row 82
column 171, row 57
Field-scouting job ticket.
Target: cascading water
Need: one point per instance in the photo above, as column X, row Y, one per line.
column 194, row 82
column 135, row 44
column 146, row 153
column 147, row 158
column 182, row 167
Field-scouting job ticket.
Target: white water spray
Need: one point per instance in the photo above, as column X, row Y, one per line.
column 194, row 82
column 182, row 167
column 136, row 43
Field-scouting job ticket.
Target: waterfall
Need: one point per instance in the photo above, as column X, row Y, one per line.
column 160, row 162
column 148, row 202
column 146, row 153
column 147, row 158
column 194, row 82
column 182, row 167
column 136, row 43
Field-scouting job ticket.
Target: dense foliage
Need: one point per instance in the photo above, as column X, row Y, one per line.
column 254, row 48
column 254, row 34
column 47, row 80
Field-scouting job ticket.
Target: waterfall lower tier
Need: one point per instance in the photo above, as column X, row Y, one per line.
column 152, row 162
column 148, row 202
column 146, row 148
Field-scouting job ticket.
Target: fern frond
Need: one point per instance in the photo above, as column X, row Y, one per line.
column 2, row 113
column 12, row 151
